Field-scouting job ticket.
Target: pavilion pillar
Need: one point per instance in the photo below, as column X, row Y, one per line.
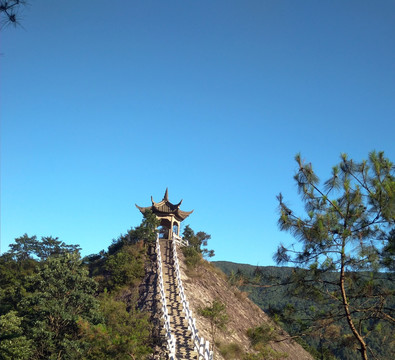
column 178, row 228
column 171, row 228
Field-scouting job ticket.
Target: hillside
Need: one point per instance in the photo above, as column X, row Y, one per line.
column 53, row 304
column 206, row 283
column 116, row 312
column 260, row 284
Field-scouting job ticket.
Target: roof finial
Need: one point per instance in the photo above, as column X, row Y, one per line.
column 166, row 197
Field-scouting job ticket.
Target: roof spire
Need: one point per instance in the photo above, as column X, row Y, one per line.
column 166, row 197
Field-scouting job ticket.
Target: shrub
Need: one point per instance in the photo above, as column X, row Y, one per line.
column 126, row 267
column 192, row 257
column 261, row 334
column 231, row 351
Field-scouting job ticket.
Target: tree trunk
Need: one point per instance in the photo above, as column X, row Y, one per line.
column 363, row 349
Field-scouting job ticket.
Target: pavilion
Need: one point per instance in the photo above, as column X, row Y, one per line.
column 169, row 215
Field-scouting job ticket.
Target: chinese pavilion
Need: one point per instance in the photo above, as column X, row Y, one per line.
column 170, row 215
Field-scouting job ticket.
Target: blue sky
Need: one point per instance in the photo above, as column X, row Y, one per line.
column 104, row 105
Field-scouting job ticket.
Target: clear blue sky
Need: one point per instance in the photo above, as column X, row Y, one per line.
column 104, row 104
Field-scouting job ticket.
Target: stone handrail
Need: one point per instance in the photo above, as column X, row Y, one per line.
column 180, row 240
column 171, row 341
column 201, row 346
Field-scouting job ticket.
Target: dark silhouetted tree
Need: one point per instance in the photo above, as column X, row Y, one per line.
column 10, row 11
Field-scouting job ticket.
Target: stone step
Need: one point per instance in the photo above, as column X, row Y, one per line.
column 178, row 322
column 187, row 356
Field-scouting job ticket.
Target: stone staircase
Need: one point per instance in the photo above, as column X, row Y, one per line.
column 178, row 322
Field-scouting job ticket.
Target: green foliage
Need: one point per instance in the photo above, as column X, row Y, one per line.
column 198, row 241
column 388, row 252
column 147, row 230
column 275, row 291
column 123, row 335
column 260, row 337
column 51, row 307
column 217, row 316
column 216, row 313
column 195, row 251
column 13, row 281
column 27, row 294
column 261, row 334
column 13, row 344
column 265, row 353
column 347, row 228
column 231, row 351
column 192, row 256
column 23, row 248
column 123, row 264
column 26, row 247
column 125, row 267
column 50, row 246
column 125, row 332
column 61, row 294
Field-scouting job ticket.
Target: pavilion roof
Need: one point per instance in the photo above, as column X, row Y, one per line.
column 165, row 207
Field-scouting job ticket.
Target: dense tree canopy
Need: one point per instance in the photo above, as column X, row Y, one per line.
column 60, row 294
column 28, row 247
column 13, row 344
column 55, row 305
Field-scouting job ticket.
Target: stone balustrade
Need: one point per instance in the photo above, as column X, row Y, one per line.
column 171, row 341
column 201, row 346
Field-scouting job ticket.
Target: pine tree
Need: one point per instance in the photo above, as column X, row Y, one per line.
column 10, row 11
column 348, row 230
column 217, row 316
